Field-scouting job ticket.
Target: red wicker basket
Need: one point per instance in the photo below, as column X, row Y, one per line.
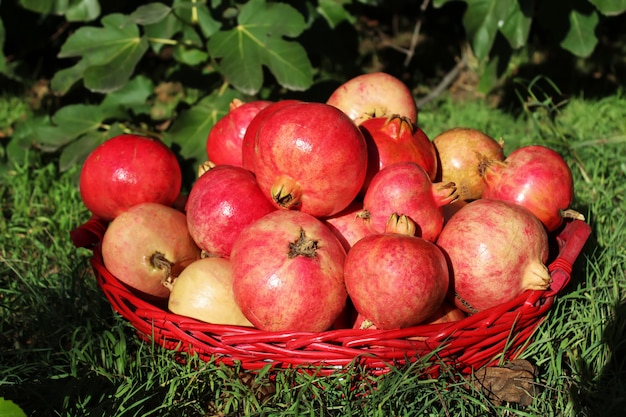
column 483, row 339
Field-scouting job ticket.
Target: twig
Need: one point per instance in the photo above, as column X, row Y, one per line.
column 416, row 31
column 444, row 83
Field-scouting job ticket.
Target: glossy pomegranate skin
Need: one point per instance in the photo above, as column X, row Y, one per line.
column 314, row 150
column 225, row 140
column 127, row 170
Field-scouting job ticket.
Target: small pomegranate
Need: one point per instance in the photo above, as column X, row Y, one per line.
column 405, row 188
column 463, row 154
column 396, row 139
column 223, row 201
column 395, row 279
column 288, row 273
column 350, row 225
column 310, row 157
column 225, row 140
column 127, row 170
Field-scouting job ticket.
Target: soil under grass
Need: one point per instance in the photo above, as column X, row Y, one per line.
column 65, row 353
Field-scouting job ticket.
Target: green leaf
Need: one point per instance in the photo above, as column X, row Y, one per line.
column 57, row 7
column 83, row 11
column 581, row 39
column 197, row 14
column 3, row 64
column 482, row 20
column 69, row 122
column 9, row 409
column 133, row 96
column 77, row 151
column 150, row 13
column 334, row 12
column 110, row 53
column 258, row 40
column 610, row 7
column 192, row 126
column 438, row 3
column 165, row 29
column 517, row 26
column 64, row 79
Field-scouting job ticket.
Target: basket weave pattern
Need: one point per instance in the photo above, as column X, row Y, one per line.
column 482, row 339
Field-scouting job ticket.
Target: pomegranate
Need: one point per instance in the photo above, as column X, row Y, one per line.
column 127, row 170
column 496, row 250
column 310, row 157
column 396, row 279
column 405, row 188
column 446, row 313
column 376, row 94
column 247, row 151
column 146, row 245
column 204, row 291
column 288, row 273
column 537, row 178
column 225, row 139
column 350, row 224
column 223, row 201
column 463, row 154
column 396, row 139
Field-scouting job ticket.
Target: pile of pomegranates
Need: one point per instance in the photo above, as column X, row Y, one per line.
column 311, row 216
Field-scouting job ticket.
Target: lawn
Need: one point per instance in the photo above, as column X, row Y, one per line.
column 66, row 353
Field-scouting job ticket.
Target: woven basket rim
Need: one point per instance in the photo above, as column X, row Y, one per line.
column 482, row 339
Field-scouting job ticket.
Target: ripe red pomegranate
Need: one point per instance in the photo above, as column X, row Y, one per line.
column 225, row 140
column 396, row 139
column 310, row 157
column 249, row 138
column 223, row 201
column 395, row 279
column 288, row 273
column 496, row 250
column 376, row 94
column 204, row 291
column 127, row 170
column 537, row 178
column 405, row 188
column 463, row 154
column 146, row 245
column 350, row 225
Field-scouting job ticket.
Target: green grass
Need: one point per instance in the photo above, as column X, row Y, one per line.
column 65, row 353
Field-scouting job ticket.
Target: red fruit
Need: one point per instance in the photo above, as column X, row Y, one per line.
column 395, row 279
column 247, row 151
column 446, row 313
column 204, row 291
column 396, row 139
column 310, row 157
column 405, row 188
column 496, row 250
column 463, row 154
column 376, row 94
column 128, row 170
column 536, row 178
column 288, row 273
column 146, row 245
column 225, row 140
column 350, row 225
column 223, row 201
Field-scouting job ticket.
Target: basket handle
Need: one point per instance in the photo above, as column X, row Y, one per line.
column 90, row 233
column 571, row 241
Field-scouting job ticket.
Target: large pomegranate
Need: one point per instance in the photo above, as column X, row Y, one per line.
column 223, row 201
column 464, row 153
column 396, row 279
column 496, row 250
column 396, row 139
column 225, row 140
column 146, row 245
column 127, row 170
column 310, row 157
column 288, row 273
column 405, row 188
column 535, row 177
column 375, row 94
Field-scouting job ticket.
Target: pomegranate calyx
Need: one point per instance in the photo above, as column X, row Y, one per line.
column 400, row 224
column 159, row 261
column 572, row 214
column 366, row 324
column 286, row 192
column 303, row 246
column 235, row 103
column 396, row 126
column 445, row 193
column 536, row 277
column 205, row 167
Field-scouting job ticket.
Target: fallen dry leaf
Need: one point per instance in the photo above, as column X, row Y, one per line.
column 513, row 382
